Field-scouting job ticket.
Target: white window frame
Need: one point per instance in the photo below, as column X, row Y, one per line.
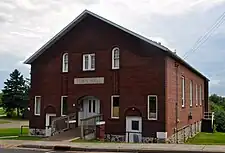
column 115, row 57
column 196, row 94
column 35, row 105
column 62, row 105
column 191, row 93
column 65, row 66
column 90, row 62
column 112, row 106
column 200, row 95
column 156, row 107
column 183, row 91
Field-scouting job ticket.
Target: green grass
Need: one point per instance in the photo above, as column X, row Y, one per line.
column 216, row 138
column 23, row 138
column 13, row 132
column 12, row 118
column 4, row 122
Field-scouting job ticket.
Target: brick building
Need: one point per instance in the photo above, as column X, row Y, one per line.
column 141, row 88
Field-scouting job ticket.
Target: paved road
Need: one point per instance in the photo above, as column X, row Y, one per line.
column 30, row 151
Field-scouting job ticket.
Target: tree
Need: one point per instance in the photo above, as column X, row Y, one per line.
column 218, row 106
column 0, row 99
column 14, row 93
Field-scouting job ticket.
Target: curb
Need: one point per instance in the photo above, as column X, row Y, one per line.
column 69, row 148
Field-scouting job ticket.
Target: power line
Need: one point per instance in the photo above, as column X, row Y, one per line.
column 207, row 35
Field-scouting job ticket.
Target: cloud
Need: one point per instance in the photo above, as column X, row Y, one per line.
column 26, row 25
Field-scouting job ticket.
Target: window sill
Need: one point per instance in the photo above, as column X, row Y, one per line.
column 37, row 114
column 115, row 68
column 88, row 70
column 114, row 118
column 152, row 119
column 183, row 106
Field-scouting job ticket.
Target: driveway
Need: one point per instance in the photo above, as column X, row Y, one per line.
column 13, row 123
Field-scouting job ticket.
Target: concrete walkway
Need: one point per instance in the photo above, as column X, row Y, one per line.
column 116, row 147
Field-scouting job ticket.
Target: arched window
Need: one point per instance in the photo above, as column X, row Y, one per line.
column 65, row 62
column 116, row 58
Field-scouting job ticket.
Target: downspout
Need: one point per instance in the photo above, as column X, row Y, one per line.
column 176, row 107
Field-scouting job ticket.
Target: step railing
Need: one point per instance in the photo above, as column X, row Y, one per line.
column 62, row 123
column 88, row 126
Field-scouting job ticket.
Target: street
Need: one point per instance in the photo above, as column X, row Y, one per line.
column 28, row 151
column 39, row 151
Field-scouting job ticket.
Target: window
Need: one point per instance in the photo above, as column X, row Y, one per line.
column 191, row 93
column 65, row 62
column 115, row 106
column 88, row 62
column 183, row 91
column 64, row 105
column 196, row 94
column 37, row 105
column 115, row 58
column 152, row 107
column 200, row 95
column 135, row 125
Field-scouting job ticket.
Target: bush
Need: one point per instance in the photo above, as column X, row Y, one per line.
column 220, row 121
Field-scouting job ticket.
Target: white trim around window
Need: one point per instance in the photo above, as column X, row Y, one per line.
column 88, row 62
column 65, row 62
column 116, row 58
column 191, row 93
column 62, row 101
column 154, row 114
column 196, row 94
column 183, row 91
column 113, row 107
column 37, row 105
column 200, row 95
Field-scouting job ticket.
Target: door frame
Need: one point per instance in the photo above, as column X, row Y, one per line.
column 47, row 121
column 128, row 127
column 85, row 100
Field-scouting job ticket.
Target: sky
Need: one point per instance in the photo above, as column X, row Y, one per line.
column 26, row 25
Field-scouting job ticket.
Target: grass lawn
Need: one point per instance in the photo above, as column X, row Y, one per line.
column 13, row 132
column 216, row 138
column 23, row 138
column 4, row 121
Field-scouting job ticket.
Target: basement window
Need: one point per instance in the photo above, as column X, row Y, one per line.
column 115, row 106
column 88, row 62
column 64, row 105
column 37, row 105
column 152, row 107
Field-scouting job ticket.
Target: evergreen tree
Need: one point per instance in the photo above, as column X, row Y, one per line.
column 14, row 93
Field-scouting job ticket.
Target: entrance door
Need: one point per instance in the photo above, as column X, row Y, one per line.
column 48, row 122
column 91, row 107
column 133, row 129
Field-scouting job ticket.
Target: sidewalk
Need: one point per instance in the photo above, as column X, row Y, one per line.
column 116, row 147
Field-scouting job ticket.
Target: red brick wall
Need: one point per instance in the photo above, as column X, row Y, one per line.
column 197, row 111
column 142, row 73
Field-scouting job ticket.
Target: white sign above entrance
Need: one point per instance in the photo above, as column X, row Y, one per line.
column 95, row 80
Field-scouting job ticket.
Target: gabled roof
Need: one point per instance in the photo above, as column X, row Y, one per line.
column 82, row 16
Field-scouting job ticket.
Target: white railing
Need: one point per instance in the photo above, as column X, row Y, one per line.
column 209, row 115
column 88, row 126
column 62, row 123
